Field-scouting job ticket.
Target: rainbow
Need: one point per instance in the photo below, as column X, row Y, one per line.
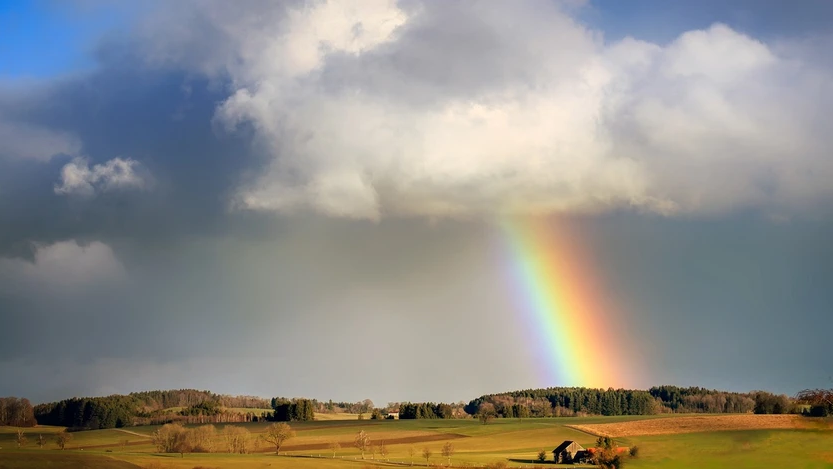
column 555, row 293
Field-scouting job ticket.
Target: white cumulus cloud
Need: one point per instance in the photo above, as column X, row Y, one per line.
column 374, row 108
column 79, row 178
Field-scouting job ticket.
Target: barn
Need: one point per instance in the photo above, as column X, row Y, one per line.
column 566, row 452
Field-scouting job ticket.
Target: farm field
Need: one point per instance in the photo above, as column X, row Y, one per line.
column 695, row 424
column 723, row 443
column 338, row 416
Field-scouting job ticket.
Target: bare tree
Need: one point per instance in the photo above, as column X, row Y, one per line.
column 124, row 444
column 334, row 446
column 277, row 434
column 41, row 441
column 411, row 453
column 486, row 412
column 20, row 438
column 172, row 438
column 427, row 453
column 362, row 442
column 448, row 451
column 383, row 450
column 237, row 439
column 62, row 438
column 202, row 438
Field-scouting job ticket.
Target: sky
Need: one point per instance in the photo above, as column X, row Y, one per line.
column 310, row 198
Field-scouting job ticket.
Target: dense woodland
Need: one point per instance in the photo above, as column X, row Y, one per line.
column 425, row 410
column 149, row 408
column 292, row 410
column 564, row 402
column 193, row 406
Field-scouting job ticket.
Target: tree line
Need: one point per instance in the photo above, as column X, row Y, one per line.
column 576, row 401
column 156, row 400
column 425, row 410
column 88, row 412
column 200, row 407
column 148, row 408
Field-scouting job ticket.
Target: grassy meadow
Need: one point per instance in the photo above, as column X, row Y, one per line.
column 513, row 441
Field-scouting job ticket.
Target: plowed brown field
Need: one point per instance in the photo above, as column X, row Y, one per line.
column 706, row 423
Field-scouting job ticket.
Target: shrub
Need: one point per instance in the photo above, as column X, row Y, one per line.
column 542, row 455
column 634, row 451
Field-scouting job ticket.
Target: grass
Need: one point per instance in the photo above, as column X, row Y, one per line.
column 514, row 441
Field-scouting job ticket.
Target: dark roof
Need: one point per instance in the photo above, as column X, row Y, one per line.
column 562, row 446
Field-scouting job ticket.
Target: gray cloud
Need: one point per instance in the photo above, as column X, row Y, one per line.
column 64, row 265
column 21, row 140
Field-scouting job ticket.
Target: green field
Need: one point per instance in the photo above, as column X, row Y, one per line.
column 513, row 441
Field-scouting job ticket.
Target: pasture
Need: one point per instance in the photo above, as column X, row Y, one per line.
column 747, row 441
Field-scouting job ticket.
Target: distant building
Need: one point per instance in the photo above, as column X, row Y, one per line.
column 568, row 452
column 393, row 415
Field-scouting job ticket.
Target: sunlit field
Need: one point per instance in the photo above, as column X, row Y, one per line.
column 514, row 442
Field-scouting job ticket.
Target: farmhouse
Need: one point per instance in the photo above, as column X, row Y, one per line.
column 567, row 452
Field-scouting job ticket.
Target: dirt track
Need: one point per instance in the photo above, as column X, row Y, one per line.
column 706, row 423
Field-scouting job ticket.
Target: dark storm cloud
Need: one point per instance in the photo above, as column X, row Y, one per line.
column 160, row 118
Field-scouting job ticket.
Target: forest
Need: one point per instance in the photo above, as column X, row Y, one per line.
column 572, row 401
column 148, row 407
column 194, row 406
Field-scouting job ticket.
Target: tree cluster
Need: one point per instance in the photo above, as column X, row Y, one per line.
column 88, row 412
column 203, row 408
column 157, row 400
column 768, row 403
column 820, row 401
column 700, row 400
column 16, row 412
column 174, row 438
column 330, row 407
column 294, row 410
column 425, row 410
